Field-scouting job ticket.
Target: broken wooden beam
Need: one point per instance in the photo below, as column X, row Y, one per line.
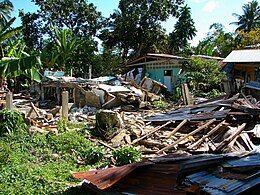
column 35, row 109
column 186, row 136
column 177, row 128
column 151, row 132
column 223, row 123
column 230, row 138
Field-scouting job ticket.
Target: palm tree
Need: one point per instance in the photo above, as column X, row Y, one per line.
column 6, row 7
column 250, row 18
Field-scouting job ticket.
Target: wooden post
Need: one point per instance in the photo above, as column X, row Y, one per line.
column 42, row 93
column 9, row 101
column 89, row 71
column 65, row 102
column 188, row 95
column 186, row 136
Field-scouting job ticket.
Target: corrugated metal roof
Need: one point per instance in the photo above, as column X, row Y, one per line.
column 212, row 184
column 208, row 57
column 252, row 160
column 243, row 56
column 105, row 178
column 165, row 56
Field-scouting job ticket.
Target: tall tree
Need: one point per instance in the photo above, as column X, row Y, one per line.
column 250, row 18
column 217, row 43
column 79, row 16
column 184, row 30
column 249, row 39
column 136, row 25
column 6, row 8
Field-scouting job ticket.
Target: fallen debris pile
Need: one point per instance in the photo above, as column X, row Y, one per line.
column 216, row 126
column 179, row 174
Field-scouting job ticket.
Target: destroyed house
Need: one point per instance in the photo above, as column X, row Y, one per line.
column 243, row 70
column 163, row 68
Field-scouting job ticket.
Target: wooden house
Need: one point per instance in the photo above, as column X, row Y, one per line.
column 163, row 68
column 243, row 70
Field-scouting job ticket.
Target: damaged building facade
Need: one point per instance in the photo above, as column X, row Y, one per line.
column 163, row 68
column 243, row 70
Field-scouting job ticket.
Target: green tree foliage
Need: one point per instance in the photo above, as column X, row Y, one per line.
column 250, row 18
column 217, row 43
column 136, row 25
column 184, row 30
column 77, row 15
column 251, row 38
column 7, row 32
column 32, row 30
column 204, row 75
column 6, row 8
column 67, row 51
column 107, row 63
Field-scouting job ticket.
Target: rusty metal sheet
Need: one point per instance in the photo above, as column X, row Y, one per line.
column 105, row 178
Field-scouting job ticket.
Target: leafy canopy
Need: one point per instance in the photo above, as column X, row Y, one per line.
column 250, row 18
column 136, row 26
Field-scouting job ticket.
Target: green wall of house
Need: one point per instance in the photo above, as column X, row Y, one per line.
column 158, row 74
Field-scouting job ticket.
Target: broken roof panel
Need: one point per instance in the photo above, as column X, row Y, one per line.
column 212, row 184
column 113, row 89
column 105, row 178
column 243, row 56
column 252, row 160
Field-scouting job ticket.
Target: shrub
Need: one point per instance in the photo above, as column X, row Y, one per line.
column 160, row 104
column 126, row 155
column 92, row 155
column 11, row 121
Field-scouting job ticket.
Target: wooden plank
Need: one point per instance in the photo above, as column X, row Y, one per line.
column 151, row 132
column 177, row 128
column 230, row 138
column 35, row 110
column 186, row 136
column 223, row 123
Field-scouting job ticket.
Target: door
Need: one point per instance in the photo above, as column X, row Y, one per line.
column 168, row 79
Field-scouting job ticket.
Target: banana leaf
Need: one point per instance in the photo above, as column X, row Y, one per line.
column 27, row 66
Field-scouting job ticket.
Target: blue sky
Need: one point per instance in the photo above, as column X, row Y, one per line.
column 204, row 13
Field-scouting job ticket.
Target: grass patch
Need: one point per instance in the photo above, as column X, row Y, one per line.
column 42, row 164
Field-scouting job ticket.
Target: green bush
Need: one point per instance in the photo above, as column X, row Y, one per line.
column 160, row 104
column 92, row 155
column 126, row 155
column 11, row 121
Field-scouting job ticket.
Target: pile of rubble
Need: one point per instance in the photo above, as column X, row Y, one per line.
column 216, row 126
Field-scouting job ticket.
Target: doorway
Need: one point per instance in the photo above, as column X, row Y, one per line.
column 168, row 79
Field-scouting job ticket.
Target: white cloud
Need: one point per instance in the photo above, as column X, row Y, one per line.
column 210, row 6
